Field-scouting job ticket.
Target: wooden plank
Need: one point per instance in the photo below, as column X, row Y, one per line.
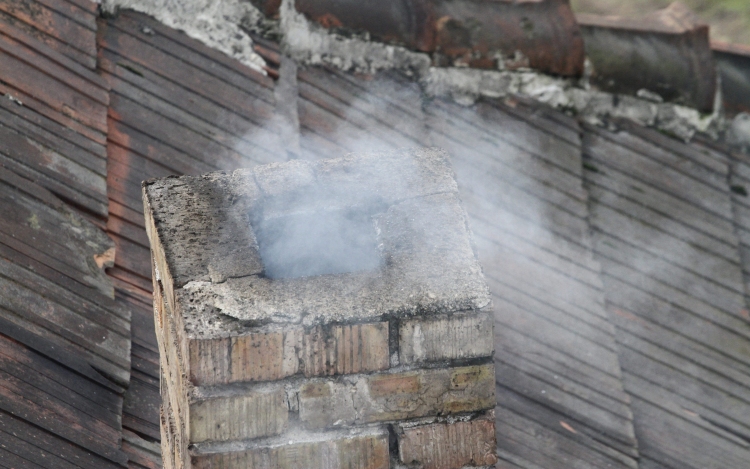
column 24, row 306
column 681, row 393
column 82, row 296
column 256, row 139
column 666, row 438
column 65, row 192
column 383, row 101
column 72, row 70
column 53, row 24
column 623, row 187
column 662, row 241
column 59, row 452
column 125, row 213
column 598, row 328
column 551, row 209
column 31, row 101
column 141, row 406
column 637, row 332
column 51, row 42
column 127, row 230
column 533, row 153
column 711, row 314
column 51, row 421
column 144, row 339
column 134, row 258
column 651, row 314
column 499, row 219
column 524, row 157
column 144, row 454
column 501, row 239
column 550, row 286
column 554, row 443
column 350, row 113
column 175, row 135
column 62, row 405
column 520, row 355
column 565, row 342
column 102, row 348
column 549, row 418
column 121, row 74
column 124, row 38
column 28, row 122
column 92, row 162
column 671, row 151
column 654, row 173
column 68, row 384
column 52, row 84
column 568, row 397
column 131, row 279
column 94, row 307
column 83, row 15
column 679, row 285
column 499, row 125
column 197, row 55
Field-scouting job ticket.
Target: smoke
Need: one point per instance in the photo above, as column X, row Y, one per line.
column 327, row 242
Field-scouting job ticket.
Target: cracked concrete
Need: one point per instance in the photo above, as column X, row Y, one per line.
column 223, row 24
column 216, row 23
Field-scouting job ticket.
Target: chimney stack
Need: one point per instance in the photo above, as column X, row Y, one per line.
column 327, row 314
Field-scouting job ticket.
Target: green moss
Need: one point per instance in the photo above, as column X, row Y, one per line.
column 130, row 68
column 590, row 167
column 739, row 190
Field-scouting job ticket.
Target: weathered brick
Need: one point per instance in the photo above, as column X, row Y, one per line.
column 369, row 451
column 263, row 356
column 467, row 335
column 449, row 445
column 345, row 349
column 273, row 355
column 397, row 396
column 252, row 415
column 326, row 404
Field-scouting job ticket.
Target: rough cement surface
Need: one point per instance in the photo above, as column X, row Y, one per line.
column 216, row 23
column 309, row 43
column 465, row 86
column 203, row 223
column 221, row 25
column 419, row 227
column 430, row 266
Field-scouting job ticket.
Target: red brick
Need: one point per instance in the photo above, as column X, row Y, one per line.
column 353, row 452
column 449, row 445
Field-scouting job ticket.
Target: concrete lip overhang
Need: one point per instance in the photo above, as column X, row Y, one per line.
column 210, row 227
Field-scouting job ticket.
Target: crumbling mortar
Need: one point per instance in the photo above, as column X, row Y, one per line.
column 309, row 43
column 294, row 382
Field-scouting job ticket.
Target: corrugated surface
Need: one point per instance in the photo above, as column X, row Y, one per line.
column 560, row 398
column 624, row 349
column 64, row 342
column 56, row 136
column 177, row 107
column 664, row 232
column 66, row 26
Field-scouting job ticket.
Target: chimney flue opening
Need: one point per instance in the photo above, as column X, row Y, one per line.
column 318, row 243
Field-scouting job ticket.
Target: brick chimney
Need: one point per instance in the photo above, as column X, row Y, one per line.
column 326, row 314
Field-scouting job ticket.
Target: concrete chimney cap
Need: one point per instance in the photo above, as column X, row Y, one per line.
column 221, row 256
